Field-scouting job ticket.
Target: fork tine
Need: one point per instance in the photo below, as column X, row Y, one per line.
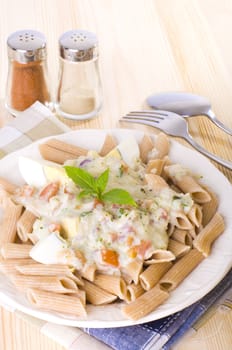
column 154, row 118
column 153, row 123
column 152, row 112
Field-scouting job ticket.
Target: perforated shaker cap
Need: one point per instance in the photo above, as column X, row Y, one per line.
column 26, row 46
column 78, row 45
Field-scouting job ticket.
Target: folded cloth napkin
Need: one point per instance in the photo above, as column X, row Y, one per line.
column 35, row 123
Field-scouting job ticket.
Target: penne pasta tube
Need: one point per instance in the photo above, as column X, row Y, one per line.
column 188, row 184
column 96, row 295
column 133, row 270
column 181, row 221
column 112, row 284
column 145, row 146
column 15, row 250
column 7, row 185
column 36, row 269
column 195, row 215
column 209, row 209
column 25, row 225
column 67, row 148
column 9, row 266
column 46, row 300
column 180, row 270
column 182, row 236
column 162, row 146
column 8, row 225
column 208, row 234
column 133, row 292
column 54, row 284
column 89, row 272
column 156, row 182
column 59, row 152
column 155, row 166
column 153, row 273
column 177, row 248
column 108, row 145
column 146, row 303
column 159, row 256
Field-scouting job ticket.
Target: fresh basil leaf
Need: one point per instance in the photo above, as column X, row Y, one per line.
column 81, row 178
column 84, row 193
column 118, row 196
column 102, row 181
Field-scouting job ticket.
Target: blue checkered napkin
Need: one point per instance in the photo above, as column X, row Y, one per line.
column 163, row 333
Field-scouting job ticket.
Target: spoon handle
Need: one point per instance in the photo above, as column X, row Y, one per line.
column 210, row 114
column 212, row 156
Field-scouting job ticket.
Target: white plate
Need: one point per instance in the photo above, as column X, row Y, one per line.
column 195, row 286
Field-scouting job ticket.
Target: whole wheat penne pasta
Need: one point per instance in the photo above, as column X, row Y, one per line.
column 181, row 269
column 59, row 152
column 195, row 215
column 133, row 270
column 146, row 303
column 79, row 294
column 160, row 256
column 209, row 209
column 7, row 185
column 96, row 295
column 208, row 234
column 37, row 269
column 112, row 284
column 133, row 292
column 25, row 225
column 182, row 236
column 67, row 148
column 46, row 300
column 177, row 248
column 89, row 272
column 108, row 145
column 153, row 273
column 54, row 284
column 9, row 266
column 15, row 250
column 180, row 220
column 188, row 184
column 145, row 146
column 155, row 166
column 156, row 182
column 54, row 155
column 8, row 225
column 162, row 146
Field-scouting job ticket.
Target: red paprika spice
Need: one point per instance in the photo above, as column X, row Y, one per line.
column 27, row 75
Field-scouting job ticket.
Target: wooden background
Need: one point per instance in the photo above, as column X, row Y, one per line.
column 146, row 46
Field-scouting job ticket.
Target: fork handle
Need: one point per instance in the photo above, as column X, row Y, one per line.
column 210, row 114
column 212, row 156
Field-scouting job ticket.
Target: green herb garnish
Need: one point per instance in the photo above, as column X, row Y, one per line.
column 96, row 186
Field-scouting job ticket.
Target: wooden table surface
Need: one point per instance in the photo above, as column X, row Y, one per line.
column 146, row 46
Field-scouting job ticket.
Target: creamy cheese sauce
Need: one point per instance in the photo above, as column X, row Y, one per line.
column 109, row 235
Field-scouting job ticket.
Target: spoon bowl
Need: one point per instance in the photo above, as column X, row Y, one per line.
column 185, row 104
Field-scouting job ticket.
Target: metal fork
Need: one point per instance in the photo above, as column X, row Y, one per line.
column 174, row 125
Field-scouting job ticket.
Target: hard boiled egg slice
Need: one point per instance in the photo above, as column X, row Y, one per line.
column 38, row 173
column 129, row 151
column 49, row 249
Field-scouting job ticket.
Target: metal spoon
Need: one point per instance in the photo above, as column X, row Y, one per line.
column 186, row 104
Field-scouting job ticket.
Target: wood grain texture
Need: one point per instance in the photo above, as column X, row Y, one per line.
column 146, row 46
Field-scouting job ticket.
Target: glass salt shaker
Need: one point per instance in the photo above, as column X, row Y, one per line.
column 79, row 94
column 27, row 80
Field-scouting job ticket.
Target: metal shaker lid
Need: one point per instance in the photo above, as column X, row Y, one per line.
column 78, row 45
column 26, row 46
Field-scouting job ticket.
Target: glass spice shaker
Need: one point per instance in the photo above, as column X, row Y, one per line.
column 79, row 94
column 27, row 80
